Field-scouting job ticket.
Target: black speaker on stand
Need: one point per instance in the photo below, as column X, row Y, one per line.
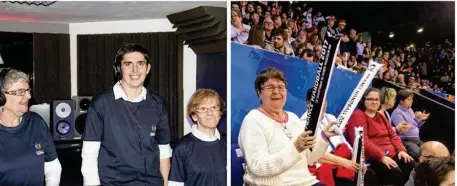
column 82, row 104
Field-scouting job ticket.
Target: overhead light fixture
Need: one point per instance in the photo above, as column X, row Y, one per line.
column 391, row 35
column 420, row 30
column 412, row 45
column 36, row 3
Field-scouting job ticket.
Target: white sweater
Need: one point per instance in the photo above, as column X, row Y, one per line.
column 271, row 158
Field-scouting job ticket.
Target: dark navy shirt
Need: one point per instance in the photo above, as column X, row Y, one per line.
column 130, row 135
column 23, row 151
column 199, row 163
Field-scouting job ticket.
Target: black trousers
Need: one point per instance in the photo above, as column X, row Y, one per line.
column 394, row 176
column 368, row 179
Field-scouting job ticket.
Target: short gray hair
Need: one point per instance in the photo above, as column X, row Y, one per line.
column 13, row 76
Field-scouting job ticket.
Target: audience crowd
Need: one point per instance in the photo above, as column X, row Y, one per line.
column 394, row 151
column 298, row 30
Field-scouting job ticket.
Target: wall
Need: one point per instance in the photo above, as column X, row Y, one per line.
column 134, row 26
column 33, row 27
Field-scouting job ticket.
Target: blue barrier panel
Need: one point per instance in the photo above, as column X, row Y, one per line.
column 237, row 171
column 247, row 62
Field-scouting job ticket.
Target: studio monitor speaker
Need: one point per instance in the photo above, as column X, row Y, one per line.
column 82, row 104
column 63, row 119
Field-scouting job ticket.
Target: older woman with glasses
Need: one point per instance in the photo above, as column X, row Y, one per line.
column 26, row 146
column 200, row 158
column 383, row 148
column 273, row 141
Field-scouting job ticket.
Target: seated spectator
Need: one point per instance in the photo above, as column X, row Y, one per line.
column 279, row 43
column 401, row 80
column 385, row 61
column 428, row 149
column 290, row 39
column 256, row 37
column 313, row 41
column 235, row 6
column 386, row 76
column 388, row 96
column 338, row 155
column 277, row 21
column 308, row 55
column 435, row 171
column 411, row 80
column 318, row 52
column 268, row 28
column 301, row 39
column 364, row 63
column 352, row 62
column 383, row 148
column 404, row 113
column 256, row 20
column 240, row 31
column 394, row 76
column 259, row 10
column 425, row 84
column 300, row 49
column 281, row 156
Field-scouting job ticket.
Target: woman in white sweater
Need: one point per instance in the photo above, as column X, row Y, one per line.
column 274, row 145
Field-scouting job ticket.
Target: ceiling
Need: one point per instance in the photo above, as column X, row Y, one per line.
column 87, row 11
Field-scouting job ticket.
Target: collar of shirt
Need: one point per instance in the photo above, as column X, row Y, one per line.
column 119, row 93
column 203, row 136
column 403, row 108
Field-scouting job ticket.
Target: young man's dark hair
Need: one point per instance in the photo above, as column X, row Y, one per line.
column 280, row 32
column 126, row 49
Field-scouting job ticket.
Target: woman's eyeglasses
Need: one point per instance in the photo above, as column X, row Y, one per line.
column 372, row 99
column 205, row 109
column 269, row 88
column 20, row 92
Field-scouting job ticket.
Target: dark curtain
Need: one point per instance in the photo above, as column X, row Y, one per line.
column 95, row 67
column 214, row 65
column 52, row 78
column 16, row 50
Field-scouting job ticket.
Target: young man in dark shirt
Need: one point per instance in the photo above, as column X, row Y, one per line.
column 126, row 139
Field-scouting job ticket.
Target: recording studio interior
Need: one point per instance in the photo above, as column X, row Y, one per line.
column 68, row 48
